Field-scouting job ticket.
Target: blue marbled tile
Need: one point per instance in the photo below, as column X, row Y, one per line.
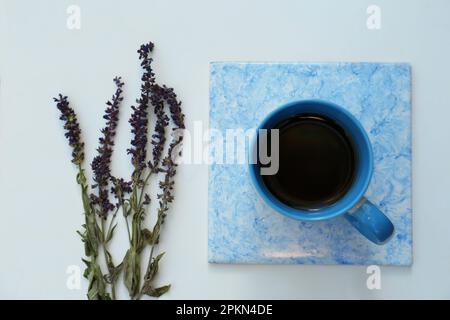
column 243, row 229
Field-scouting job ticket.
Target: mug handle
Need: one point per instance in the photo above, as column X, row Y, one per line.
column 370, row 222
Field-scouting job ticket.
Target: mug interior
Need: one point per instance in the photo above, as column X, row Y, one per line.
column 362, row 150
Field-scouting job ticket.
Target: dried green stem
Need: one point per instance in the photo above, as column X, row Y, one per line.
column 91, row 236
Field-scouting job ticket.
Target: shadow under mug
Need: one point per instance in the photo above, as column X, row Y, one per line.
column 360, row 212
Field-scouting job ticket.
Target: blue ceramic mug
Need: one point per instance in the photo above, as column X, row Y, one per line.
column 360, row 212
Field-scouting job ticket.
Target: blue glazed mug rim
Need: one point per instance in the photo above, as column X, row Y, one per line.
column 341, row 206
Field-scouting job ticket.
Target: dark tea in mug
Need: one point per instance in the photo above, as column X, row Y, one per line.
column 316, row 162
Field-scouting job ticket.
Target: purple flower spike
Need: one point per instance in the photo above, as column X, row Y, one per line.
column 139, row 117
column 101, row 163
column 73, row 131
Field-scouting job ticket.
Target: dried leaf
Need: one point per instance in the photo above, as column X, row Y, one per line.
column 156, row 292
column 93, row 293
column 154, row 266
column 155, row 233
column 132, row 272
column 110, row 233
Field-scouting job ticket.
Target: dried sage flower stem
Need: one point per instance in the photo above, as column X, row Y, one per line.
column 158, row 97
column 102, row 176
column 91, row 233
column 168, row 167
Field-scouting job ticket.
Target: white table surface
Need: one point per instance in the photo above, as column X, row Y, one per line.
column 40, row 205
